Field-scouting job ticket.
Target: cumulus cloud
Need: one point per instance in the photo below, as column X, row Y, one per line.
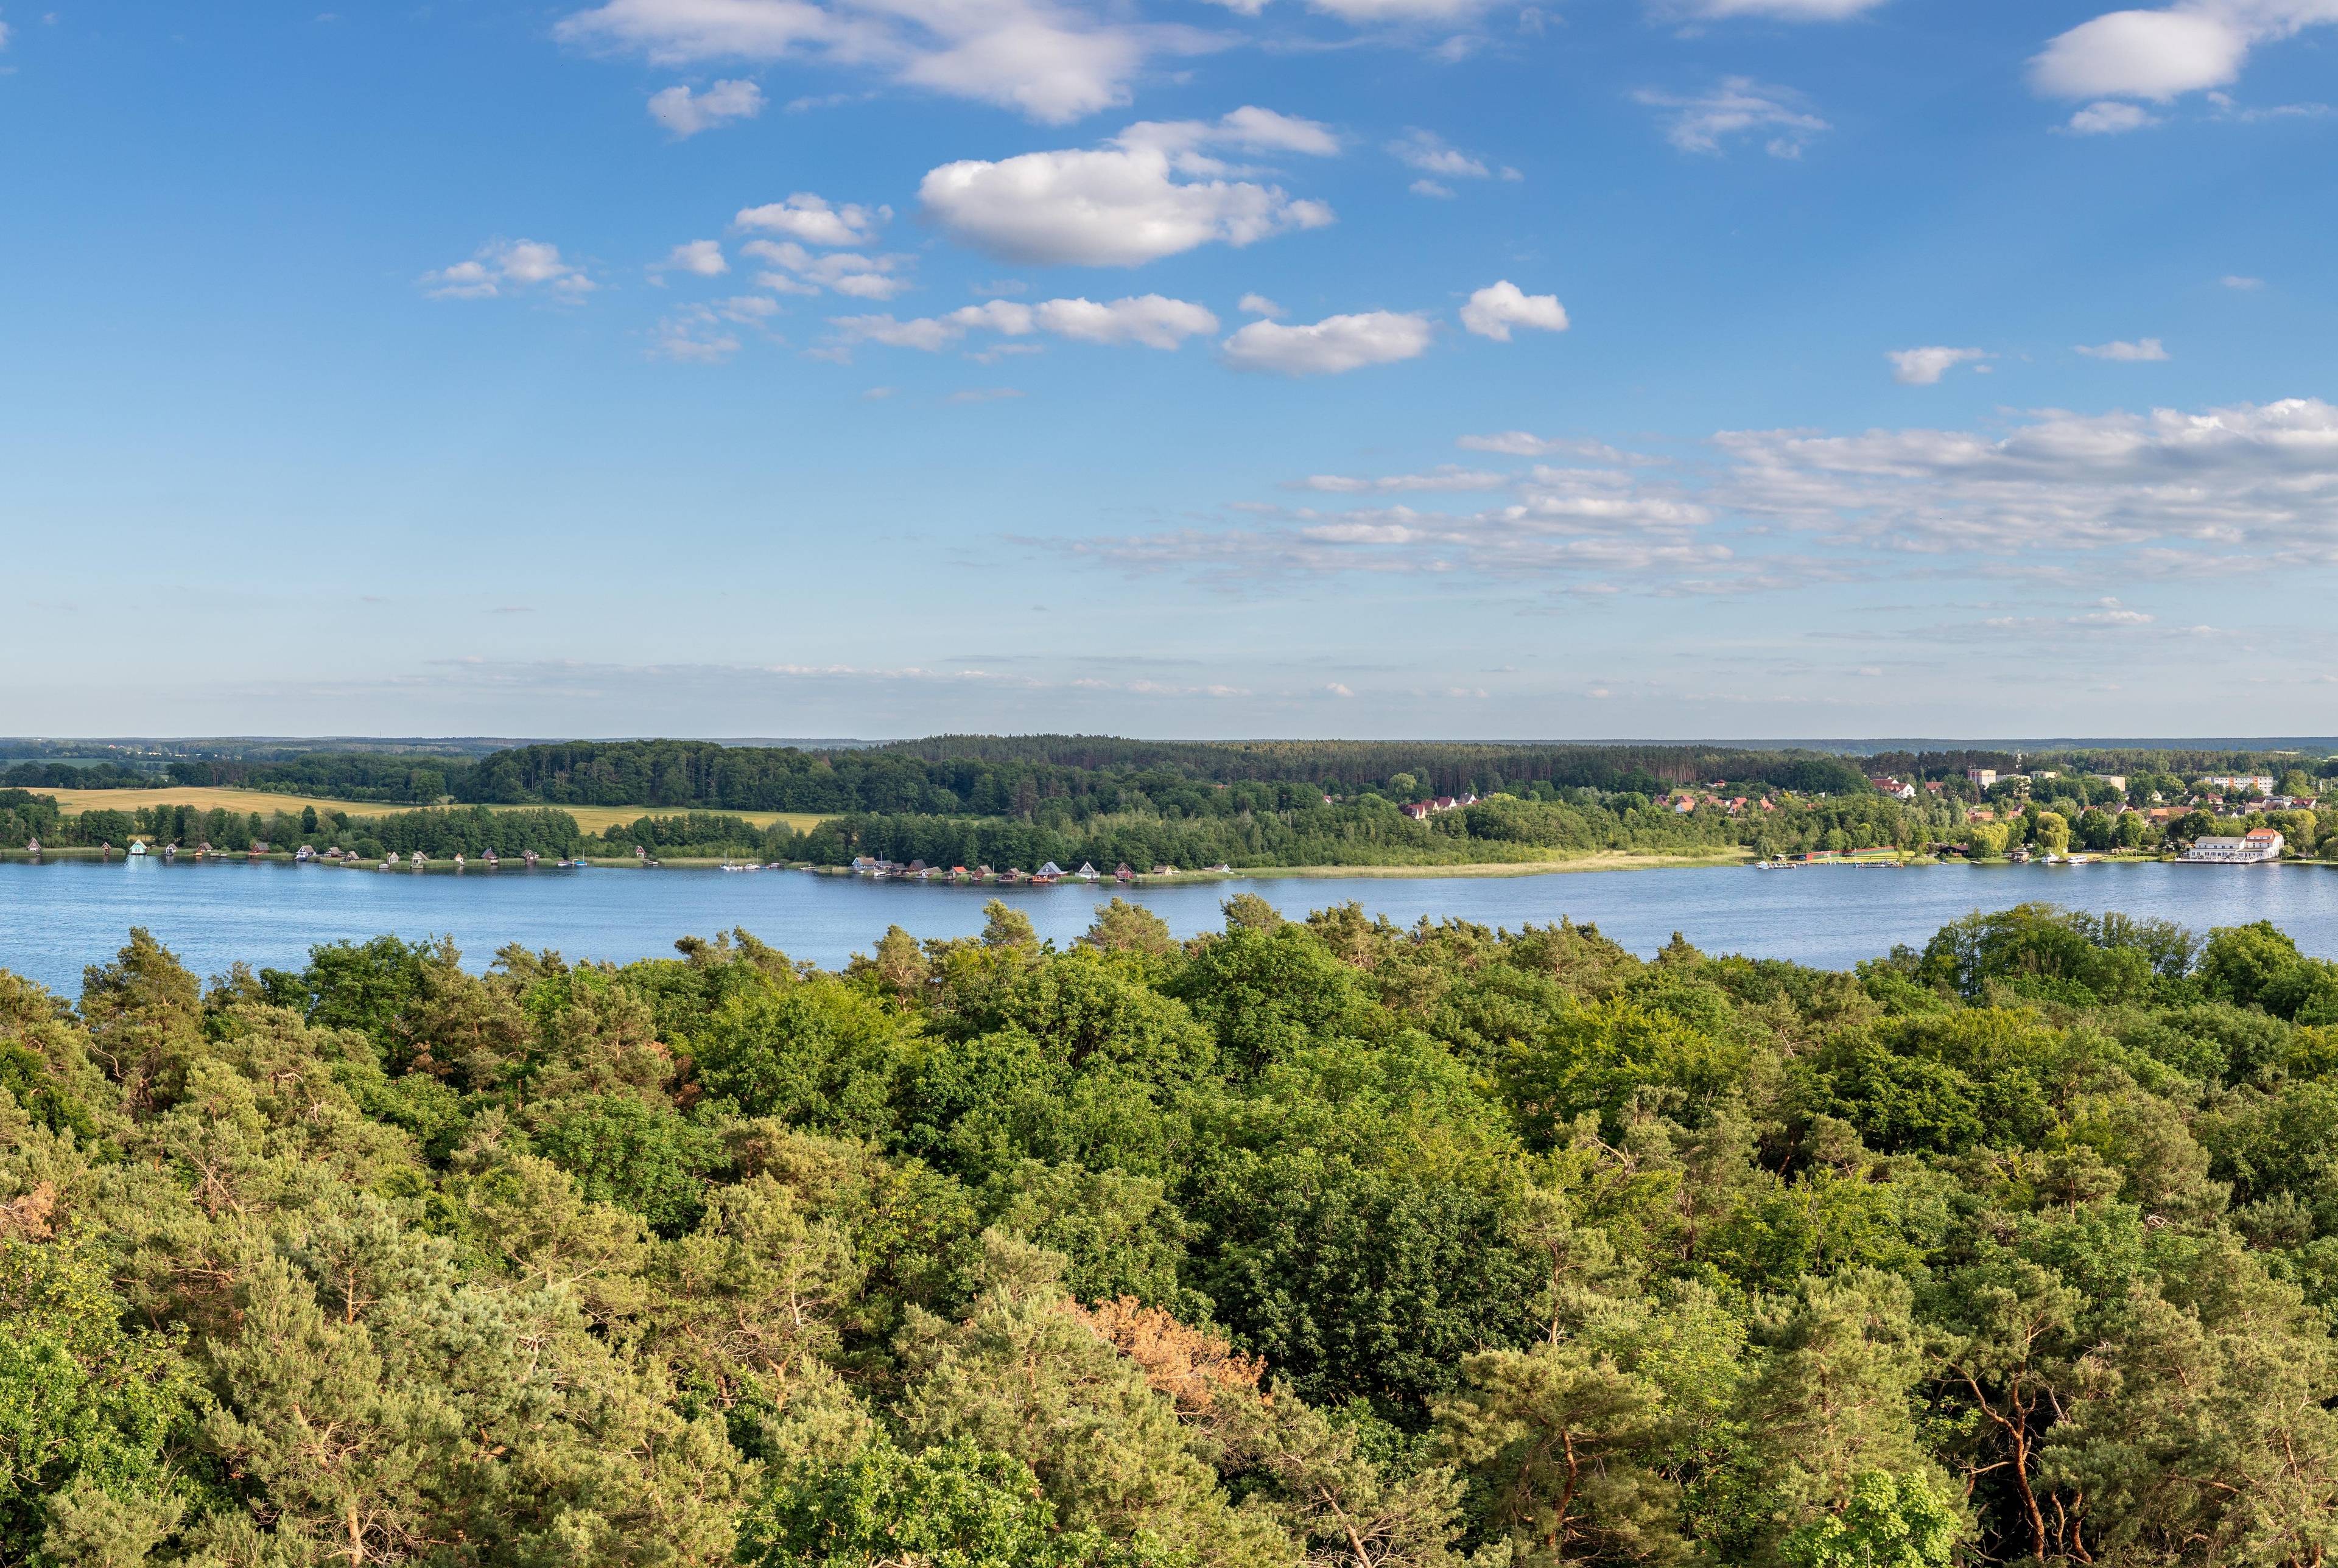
column 1154, row 191
column 1052, row 62
column 797, row 271
column 813, row 221
column 1258, row 305
column 1740, row 106
column 2109, row 117
column 686, row 114
column 504, row 267
column 1331, row 347
column 1147, row 321
column 1492, row 311
column 2161, row 54
column 1925, row 367
column 2142, row 348
column 701, row 258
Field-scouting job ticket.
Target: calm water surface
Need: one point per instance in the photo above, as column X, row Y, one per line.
column 58, row 916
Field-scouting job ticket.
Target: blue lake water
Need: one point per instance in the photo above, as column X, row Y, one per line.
column 58, row 916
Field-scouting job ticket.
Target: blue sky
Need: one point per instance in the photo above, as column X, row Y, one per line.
column 1684, row 367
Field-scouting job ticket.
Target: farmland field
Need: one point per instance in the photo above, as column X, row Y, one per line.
column 590, row 819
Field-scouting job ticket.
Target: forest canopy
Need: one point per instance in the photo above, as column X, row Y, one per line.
column 1316, row 1241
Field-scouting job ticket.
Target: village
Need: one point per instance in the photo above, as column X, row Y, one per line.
column 918, row 871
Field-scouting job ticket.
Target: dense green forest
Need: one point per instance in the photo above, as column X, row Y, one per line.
column 469, row 830
column 1304, row 1242
column 1015, row 776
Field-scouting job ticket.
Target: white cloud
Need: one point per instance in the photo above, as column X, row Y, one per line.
column 2162, row 54
column 810, row 218
column 1524, row 443
column 2244, row 486
column 802, row 271
column 1446, row 476
column 1052, row 62
column 1739, row 106
column 1775, row 10
column 1494, row 310
column 2058, row 499
column 1150, row 320
column 1431, row 154
column 686, row 114
column 702, row 334
column 1258, row 305
column 1249, row 128
column 1331, row 347
column 1379, row 13
column 1126, row 204
column 1432, row 188
column 702, row 258
column 2108, row 117
column 4, row 35
column 2143, row 349
column 509, row 266
column 1925, row 367
column 2234, row 280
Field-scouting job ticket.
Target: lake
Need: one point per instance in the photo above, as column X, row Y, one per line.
column 56, row 917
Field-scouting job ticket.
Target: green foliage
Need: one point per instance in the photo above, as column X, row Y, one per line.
column 1307, row 1241
column 953, row 1505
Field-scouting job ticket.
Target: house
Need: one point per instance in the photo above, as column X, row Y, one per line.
column 527, row 857
column 138, row 846
column 2116, row 780
column 458, row 860
column 1050, row 872
column 31, row 846
column 2252, row 848
column 1894, row 788
column 1981, row 778
column 867, row 865
column 984, row 873
column 1087, row 873
column 2260, row 782
column 390, row 859
column 957, row 873
column 301, row 857
column 1419, row 810
column 1163, row 871
column 487, row 857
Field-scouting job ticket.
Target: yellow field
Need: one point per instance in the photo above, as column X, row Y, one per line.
column 590, row 819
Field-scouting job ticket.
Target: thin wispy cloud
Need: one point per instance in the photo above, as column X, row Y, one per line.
column 1739, row 109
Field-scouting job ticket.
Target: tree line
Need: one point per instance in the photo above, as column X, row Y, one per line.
column 1302, row 1242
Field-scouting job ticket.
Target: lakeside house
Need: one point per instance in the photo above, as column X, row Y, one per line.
column 2255, row 846
column 1087, row 873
